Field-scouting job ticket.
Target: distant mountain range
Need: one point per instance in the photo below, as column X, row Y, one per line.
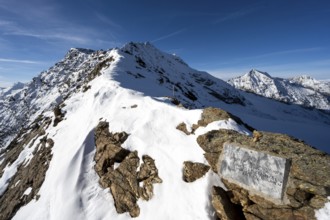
column 302, row 90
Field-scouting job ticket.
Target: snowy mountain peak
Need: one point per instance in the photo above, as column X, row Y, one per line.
column 303, row 90
column 81, row 50
column 258, row 73
column 311, row 83
column 149, row 52
column 258, row 81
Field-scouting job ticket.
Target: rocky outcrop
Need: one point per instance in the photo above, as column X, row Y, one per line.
column 193, row 171
column 25, row 184
column 224, row 208
column 308, row 183
column 210, row 115
column 123, row 181
column 26, row 136
column 58, row 114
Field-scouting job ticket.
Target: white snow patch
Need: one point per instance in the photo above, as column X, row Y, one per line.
column 229, row 124
column 324, row 213
column 27, row 191
column 10, row 170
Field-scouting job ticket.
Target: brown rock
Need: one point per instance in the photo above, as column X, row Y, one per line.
column 210, row 115
column 317, row 202
column 124, row 185
column 149, row 175
column 193, row 171
column 224, row 208
column 29, row 175
column 124, row 181
column 256, row 136
column 271, row 213
column 58, row 115
column 183, row 127
column 308, row 183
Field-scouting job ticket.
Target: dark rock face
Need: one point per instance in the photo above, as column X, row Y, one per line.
column 30, row 175
column 308, row 183
column 123, row 181
column 225, row 209
column 58, row 115
column 193, row 171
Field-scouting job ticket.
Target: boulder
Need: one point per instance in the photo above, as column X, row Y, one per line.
column 308, row 183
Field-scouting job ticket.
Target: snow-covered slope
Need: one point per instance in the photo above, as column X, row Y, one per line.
column 302, row 90
column 132, row 88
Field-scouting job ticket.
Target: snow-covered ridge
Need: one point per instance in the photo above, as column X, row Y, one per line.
column 137, row 66
column 303, row 90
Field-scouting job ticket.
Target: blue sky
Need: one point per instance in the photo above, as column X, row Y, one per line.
column 225, row 38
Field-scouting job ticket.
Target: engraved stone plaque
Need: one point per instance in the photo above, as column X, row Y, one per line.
column 260, row 172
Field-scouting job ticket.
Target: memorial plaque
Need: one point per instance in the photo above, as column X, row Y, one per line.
column 263, row 173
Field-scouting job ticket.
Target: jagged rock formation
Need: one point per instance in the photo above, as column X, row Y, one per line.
column 308, row 184
column 193, row 171
column 24, row 185
column 123, row 181
column 302, row 90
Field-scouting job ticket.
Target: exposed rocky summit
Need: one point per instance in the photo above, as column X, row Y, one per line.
column 123, row 181
column 308, row 183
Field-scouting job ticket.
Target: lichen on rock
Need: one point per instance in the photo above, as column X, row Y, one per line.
column 308, row 183
column 193, row 171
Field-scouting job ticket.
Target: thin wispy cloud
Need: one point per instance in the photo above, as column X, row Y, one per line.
column 107, row 20
column 19, row 61
column 50, row 35
column 169, row 35
column 236, row 15
column 240, row 60
column 48, row 25
column 293, row 51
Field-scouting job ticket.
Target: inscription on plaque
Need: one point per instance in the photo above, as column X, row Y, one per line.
column 253, row 170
